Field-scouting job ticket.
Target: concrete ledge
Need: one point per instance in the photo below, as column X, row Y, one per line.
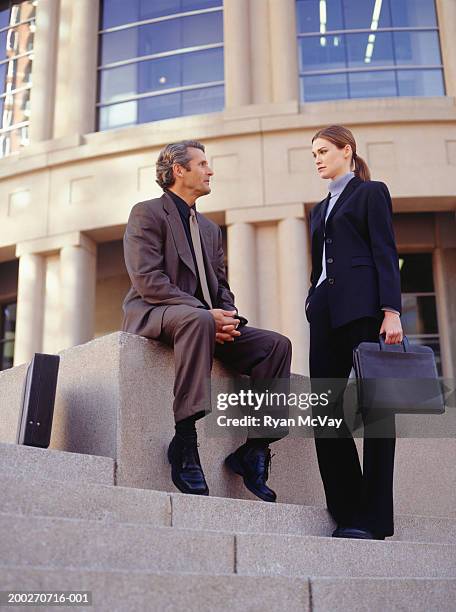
column 69, row 543
column 136, row 592
column 114, row 399
column 30, row 462
column 83, row 500
column 293, row 555
column 394, row 595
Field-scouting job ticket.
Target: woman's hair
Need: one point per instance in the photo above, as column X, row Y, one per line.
column 341, row 136
column 176, row 153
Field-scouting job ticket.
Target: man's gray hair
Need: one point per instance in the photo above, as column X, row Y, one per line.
column 175, row 153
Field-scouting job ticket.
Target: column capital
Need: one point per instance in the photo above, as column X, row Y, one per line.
column 53, row 244
column 264, row 214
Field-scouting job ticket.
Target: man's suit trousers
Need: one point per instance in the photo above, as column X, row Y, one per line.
column 261, row 354
column 354, row 497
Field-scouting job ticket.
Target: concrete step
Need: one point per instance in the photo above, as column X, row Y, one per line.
column 80, row 500
column 73, row 543
column 382, row 594
column 237, row 515
column 288, row 555
column 55, row 464
column 123, row 590
column 139, row 592
column 42, row 497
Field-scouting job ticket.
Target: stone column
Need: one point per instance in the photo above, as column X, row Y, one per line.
column 260, row 49
column 44, row 71
column 284, row 53
column 29, row 318
column 242, row 268
column 294, row 272
column 446, row 15
column 445, row 319
column 236, row 53
column 77, row 68
column 77, row 285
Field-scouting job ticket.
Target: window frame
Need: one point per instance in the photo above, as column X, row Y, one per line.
column 164, row 54
column 369, row 68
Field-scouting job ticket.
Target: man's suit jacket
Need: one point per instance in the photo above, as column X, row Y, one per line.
column 161, row 266
column 362, row 264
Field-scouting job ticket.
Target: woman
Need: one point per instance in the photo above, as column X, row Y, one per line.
column 354, row 296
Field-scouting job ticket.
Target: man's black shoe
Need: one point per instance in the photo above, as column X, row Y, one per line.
column 186, row 471
column 252, row 463
column 357, row 533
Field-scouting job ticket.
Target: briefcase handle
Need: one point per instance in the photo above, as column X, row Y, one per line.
column 385, row 347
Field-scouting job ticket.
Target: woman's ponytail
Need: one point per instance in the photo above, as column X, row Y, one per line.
column 361, row 168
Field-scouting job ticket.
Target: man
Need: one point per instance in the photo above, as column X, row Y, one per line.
column 180, row 296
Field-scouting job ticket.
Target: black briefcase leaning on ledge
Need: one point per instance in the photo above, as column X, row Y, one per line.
column 397, row 378
column 35, row 420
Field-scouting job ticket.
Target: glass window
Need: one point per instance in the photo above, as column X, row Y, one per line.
column 161, row 57
column 17, row 27
column 119, row 12
column 420, row 83
column 381, row 84
column 7, row 333
column 319, row 16
column 152, row 38
column 413, row 13
column 365, row 50
column 324, row 87
column 370, row 14
column 417, row 48
column 419, row 311
column 355, row 36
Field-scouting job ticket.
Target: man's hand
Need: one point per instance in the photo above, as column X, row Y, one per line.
column 225, row 325
column 392, row 327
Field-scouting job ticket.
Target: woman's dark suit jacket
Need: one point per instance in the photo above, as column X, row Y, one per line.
column 362, row 265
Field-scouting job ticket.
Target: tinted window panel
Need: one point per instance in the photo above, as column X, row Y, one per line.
column 420, row 83
column 366, row 50
column 118, row 115
column 361, row 14
column 324, row 87
column 159, row 107
column 413, row 13
column 321, row 53
column 118, row 83
column 200, row 101
column 311, row 15
column 417, row 48
column 381, row 84
column 162, row 37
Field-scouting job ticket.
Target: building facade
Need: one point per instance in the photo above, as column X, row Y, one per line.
column 93, row 89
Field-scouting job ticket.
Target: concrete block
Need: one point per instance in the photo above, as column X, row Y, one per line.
column 114, row 398
column 136, row 592
column 83, row 500
column 235, row 515
column 291, row 555
column 55, row 464
column 29, row 541
column 379, row 594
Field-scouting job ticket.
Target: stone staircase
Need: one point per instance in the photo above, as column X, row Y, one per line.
column 66, row 525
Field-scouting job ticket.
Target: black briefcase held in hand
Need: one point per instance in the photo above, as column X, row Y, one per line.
column 397, row 378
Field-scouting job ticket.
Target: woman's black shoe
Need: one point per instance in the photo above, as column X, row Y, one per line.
column 357, row 533
column 252, row 463
column 186, row 471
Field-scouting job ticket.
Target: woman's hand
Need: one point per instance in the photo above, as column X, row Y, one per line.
column 392, row 327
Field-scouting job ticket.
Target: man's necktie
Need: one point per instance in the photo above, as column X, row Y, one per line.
column 196, row 240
